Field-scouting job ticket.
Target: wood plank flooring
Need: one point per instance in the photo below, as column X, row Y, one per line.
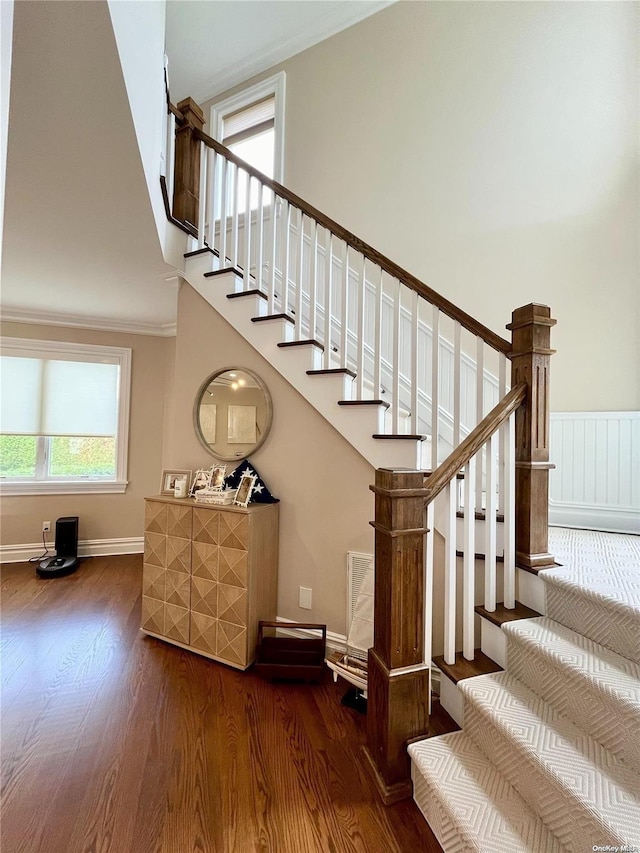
column 112, row 742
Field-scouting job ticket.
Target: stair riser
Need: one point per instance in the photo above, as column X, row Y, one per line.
column 493, row 642
column 452, row 699
column 530, row 590
column 198, row 265
column 613, row 724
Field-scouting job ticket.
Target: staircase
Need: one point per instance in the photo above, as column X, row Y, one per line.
column 549, row 754
column 548, row 757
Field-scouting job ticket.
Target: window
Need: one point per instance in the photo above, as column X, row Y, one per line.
column 251, row 124
column 64, row 417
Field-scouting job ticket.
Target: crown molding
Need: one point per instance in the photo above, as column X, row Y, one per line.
column 79, row 321
column 350, row 13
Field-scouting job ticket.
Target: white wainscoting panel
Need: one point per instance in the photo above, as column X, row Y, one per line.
column 596, row 482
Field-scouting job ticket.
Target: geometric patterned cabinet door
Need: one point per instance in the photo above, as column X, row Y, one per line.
column 210, row 574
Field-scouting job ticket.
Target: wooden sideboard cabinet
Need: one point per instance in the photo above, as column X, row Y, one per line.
column 210, row 574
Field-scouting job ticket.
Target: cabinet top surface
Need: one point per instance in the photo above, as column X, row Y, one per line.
column 191, row 502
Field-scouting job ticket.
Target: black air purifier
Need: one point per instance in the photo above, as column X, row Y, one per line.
column 66, row 559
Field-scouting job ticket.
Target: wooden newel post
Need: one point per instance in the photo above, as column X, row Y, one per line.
column 530, row 357
column 398, row 679
column 187, row 171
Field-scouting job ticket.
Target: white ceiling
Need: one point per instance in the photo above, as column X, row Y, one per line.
column 74, row 180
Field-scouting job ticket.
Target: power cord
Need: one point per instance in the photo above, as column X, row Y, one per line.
column 42, row 556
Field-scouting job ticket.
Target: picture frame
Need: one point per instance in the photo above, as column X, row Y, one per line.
column 201, row 480
column 171, row 476
column 218, row 473
column 245, row 488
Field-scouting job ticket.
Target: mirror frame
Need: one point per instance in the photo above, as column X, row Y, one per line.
column 196, row 413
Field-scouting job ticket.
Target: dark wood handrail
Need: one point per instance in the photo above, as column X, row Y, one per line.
column 458, row 458
column 423, row 290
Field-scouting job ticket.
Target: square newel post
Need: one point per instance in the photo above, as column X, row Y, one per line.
column 530, row 358
column 398, row 677
column 187, row 171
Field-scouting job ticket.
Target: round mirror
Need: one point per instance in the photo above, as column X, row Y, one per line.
column 232, row 413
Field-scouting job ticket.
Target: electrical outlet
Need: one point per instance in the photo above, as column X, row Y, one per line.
column 304, row 598
column 46, row 526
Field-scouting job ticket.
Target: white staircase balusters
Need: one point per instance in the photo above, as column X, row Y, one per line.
column 479, row 410
column 299, row 282
column 414, row 364
column 286, row 259
column 450, row 573
column 457, row 370
column 403, row 348
column 508, row 493
column 344, row 306
column 313, row 285
column 328, row 299
column 206, row 216
column 491, row 519
column 469, row 562
column 435, row 385
column 395, row 384
column 223, row 212
column 361, row 293
column 377, row 336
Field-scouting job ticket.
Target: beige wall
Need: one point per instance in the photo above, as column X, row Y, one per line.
column 323, row 484
column 492, row 150
column 103, row 516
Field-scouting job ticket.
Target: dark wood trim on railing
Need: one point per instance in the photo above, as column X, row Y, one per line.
column 167, row 209
column 458, row 458
column 423, row 290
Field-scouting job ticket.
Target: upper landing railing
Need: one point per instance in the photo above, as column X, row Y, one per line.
column 442, row 374
column 436, row 368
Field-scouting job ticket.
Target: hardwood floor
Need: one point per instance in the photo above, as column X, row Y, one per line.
column 119, row 743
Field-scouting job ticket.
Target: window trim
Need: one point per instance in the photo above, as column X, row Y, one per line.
column 272, row 86
column 65, row 351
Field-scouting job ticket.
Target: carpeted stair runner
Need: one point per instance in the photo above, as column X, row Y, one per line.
column 595, row 688
column 549, row 755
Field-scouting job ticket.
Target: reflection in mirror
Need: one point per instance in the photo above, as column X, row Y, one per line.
column 232, row 413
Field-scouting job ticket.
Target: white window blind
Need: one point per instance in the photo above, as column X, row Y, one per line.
column 50, row 397
column 249, row 121
column 64, row 417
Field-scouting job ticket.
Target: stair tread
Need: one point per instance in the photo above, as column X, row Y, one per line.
column 407, row 436
column 463, row 668
column 364, row 403
column 501, row 615
column 552, row 762
column 332, row 371
column 478, row 808
column 254, row 292
column 222, row 271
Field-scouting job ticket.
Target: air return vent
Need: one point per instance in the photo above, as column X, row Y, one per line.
column 357, row 567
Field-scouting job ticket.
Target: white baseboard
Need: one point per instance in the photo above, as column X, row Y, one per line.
column 88, row 548
column 594, row 517
column 335, row 642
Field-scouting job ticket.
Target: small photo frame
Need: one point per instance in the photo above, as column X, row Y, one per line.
column 201, row 480
column 243, row 495
column 218, row 473
column 171, row 478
